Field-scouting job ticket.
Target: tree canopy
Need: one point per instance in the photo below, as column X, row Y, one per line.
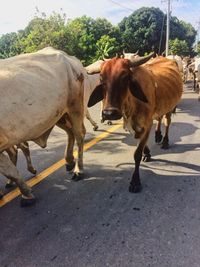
column 145, row 30
column 90, row 39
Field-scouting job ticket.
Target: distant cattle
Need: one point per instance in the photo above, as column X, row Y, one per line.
column 130, row 56
column 194, row 68
column 197, row 72
column 179, row 61
column 138, row 93
column 38, row 91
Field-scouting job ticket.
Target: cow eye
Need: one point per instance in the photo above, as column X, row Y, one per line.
column 124, row 76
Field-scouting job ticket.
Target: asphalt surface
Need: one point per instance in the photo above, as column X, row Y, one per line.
column 97, row 222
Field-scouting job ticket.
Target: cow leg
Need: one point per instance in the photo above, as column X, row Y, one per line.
column 13, row 155
column 102, row 119
column 199, row 91
column 194, row 78
column 167, row 122
column 1, row 194
column 9, row 170
column 88, row 116
column 147, row 155
column 65, row 124
column 75, row 129
column 158, row 134
column 79, row 133
column 25, row 149
column 69, row 157
column 135, row 184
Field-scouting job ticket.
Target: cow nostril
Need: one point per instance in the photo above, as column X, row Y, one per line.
column 112, row 114
column 107, row 112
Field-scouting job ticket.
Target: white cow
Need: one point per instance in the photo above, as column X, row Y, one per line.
column 195, row 69
column 197, row 72
column 179, row 61
column 39, row 90
column 130, row 56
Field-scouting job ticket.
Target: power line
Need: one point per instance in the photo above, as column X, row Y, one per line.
column 118, row 4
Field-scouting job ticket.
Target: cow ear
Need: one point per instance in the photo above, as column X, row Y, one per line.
column 96, row 96
column 136, row 91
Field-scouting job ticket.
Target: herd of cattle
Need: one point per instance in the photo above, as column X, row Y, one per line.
column 47, row 88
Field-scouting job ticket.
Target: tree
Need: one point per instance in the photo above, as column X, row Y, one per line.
column 89, row 39
column 143, row 30
column 106, row 46
column 9, row 45
column 198, row 48
column 183, row 31
column 44, row 31
column 85, row 32
column 178, row 47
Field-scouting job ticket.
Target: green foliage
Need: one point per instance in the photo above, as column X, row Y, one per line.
column 82, row 39
column 85, row 37
column 143, row 30
column 9, row 45
column 183, row 31
column 106, row 47
column 198, row 48
column 91, row 39
column 178, row 47
column 44, row 31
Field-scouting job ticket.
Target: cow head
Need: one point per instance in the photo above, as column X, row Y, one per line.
column 116, row 79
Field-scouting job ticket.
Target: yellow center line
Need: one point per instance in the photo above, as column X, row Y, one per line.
column 41, row 176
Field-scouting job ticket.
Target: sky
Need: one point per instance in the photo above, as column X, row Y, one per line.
column 15, row 15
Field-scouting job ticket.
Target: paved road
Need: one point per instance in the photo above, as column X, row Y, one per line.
column 97, row 222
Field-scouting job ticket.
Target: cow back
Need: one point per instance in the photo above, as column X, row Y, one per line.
column 36, row 89
column 168, row 84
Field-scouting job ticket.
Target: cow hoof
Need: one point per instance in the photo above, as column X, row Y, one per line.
column 70, row 167
column 95, row 128
column 77, row 177
column 109, row 122
column 165, row 146
column 1, row 194
column 165, row 143
column 9, row 185
column 135, row 188
column 26, row 202
column 32, row 170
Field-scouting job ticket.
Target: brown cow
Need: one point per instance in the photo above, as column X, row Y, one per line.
column 140, row 94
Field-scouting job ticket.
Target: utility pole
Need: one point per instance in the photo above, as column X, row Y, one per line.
column 168, row 24
column 197, row 38
column 168, row 27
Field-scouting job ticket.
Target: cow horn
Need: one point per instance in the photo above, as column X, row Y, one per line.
column 141, row 60
column 106, row 59
column 94, row 67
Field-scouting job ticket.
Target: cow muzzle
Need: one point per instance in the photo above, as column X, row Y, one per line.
column 111, row 114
